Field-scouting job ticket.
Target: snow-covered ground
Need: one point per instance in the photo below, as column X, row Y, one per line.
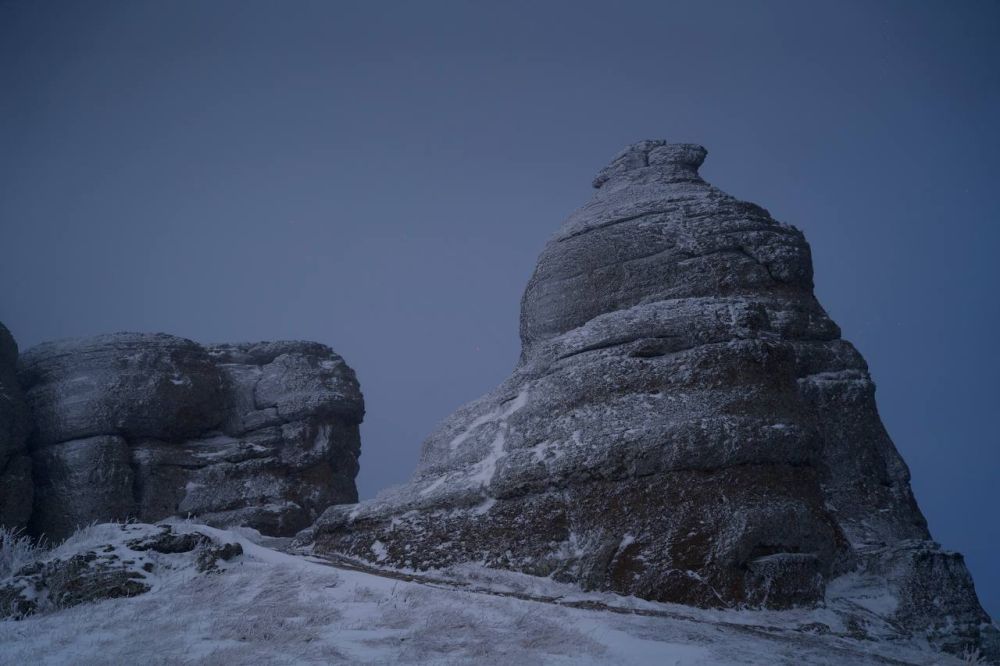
column 271, row 607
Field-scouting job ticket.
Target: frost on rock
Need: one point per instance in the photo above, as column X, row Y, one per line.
column 108, row 561
column 685, row 424
column 148, row 426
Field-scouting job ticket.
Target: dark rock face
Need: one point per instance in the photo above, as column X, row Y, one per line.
column 15, row 463
column 82, row 481
column 151, row 425
column 685, row 424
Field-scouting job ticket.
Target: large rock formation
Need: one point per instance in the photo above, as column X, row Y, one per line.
column 685, row 424
column 150, row 425
column 15, row 464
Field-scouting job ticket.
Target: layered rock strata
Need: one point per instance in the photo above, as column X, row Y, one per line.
column 685, row 424
column 150, row 425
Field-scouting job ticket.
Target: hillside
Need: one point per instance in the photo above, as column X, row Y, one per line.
column 268, row 606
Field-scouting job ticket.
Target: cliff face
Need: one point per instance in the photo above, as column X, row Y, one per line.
column 685, row 424
column 15, row 463
column 150, row 425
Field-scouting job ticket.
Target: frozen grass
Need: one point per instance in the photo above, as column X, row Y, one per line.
column 973, row 657
column 247, row 615
column 87, row 536
column 16, row 550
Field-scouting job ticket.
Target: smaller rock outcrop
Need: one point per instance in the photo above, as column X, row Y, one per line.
column 15, row 463
column 147, row 426
column 106, row 562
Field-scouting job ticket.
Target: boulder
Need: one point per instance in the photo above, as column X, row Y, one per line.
column 685, row 423
column 147, row 426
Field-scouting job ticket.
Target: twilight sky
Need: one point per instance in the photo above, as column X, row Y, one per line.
column 381, row 176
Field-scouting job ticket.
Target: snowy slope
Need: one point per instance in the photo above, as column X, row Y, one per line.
column 272, row 607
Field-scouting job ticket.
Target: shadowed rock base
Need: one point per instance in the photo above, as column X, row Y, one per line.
column 16, row 489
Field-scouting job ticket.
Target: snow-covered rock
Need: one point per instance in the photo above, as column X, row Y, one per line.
column 146, row 426
column 108, row 561
column 685, row 424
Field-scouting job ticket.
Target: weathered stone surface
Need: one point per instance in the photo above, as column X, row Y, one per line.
column 15, row 423
column 685, row 424
column 128, row 384
column 151, row 425
column 927, row 591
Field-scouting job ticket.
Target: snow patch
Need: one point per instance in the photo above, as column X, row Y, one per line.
column 487, row 467
column 379, row 551
column 435, row 485
column 496, row 415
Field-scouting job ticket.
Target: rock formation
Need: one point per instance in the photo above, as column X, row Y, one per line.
column 685, row 424
column 15, row 464
column 150, row 425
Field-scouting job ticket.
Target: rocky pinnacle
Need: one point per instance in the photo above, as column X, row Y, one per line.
column 685, row 424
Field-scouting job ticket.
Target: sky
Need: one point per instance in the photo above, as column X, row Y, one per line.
column 381, row 176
